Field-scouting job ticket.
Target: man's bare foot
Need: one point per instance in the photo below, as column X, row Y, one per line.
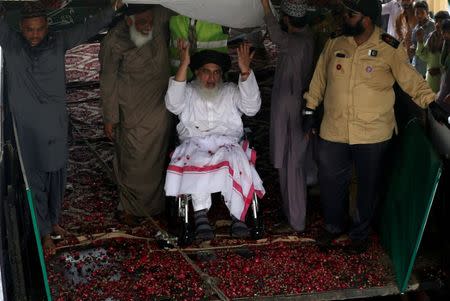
column 48, row 245
column 60, row 231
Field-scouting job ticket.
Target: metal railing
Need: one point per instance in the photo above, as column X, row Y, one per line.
column 21, row 258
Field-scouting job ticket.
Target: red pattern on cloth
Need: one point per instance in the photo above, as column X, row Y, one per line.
column 213, row 164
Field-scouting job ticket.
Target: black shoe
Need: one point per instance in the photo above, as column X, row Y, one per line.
column 239, row 229
column 203, row 230
column 357, row 247
column 325, row 239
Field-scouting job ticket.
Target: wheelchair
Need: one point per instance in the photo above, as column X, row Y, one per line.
column 179, row 209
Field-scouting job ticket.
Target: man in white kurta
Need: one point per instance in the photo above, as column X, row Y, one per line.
column 211, row 157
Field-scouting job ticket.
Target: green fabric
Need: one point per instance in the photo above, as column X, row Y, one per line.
column 433, row 60
column 205, row 32
column 416, row 170
column 36, row 231
column 39, row 244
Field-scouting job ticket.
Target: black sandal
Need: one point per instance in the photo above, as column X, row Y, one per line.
column 239, row 229
column 203, row 231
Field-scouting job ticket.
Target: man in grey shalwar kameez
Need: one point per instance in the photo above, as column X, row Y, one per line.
column 133, row 81
column 35, row 74
column 288, row 145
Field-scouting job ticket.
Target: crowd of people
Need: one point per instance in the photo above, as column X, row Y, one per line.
column 158, row 67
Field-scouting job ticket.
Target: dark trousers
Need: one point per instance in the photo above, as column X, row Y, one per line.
column 336, row 161
column 48, row 193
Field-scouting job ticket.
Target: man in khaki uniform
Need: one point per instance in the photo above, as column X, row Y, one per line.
column 354, row 78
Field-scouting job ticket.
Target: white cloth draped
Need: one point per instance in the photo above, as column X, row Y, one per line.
column 393, row 9
column 215, row 164
column 231, row 13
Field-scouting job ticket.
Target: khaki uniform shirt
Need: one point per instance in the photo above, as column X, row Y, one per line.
column 356, row 85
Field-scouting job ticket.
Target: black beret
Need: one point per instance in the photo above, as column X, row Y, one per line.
column 369, row 8
column 210, row 57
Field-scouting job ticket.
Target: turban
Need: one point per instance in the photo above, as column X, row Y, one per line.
column 33, row 10
column 294, row 8
column 134, row 9
column 210, row 56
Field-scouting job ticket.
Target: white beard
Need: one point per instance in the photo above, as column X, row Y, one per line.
column 138, row 38
column 207, row 94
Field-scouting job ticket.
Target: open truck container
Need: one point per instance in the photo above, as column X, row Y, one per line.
column 410, row 192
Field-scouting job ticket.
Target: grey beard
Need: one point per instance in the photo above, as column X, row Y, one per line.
column 207, row 94
column 138, row 38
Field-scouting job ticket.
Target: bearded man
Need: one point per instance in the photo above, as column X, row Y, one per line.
column 288, row 146
column 210, row 158
column 133, row 81
column 354, row 79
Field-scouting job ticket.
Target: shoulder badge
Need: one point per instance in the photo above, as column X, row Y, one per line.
column 390, row 40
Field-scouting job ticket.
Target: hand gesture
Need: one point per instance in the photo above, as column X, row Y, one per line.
column 244, row 57
column 420, row 35
column 183, row 50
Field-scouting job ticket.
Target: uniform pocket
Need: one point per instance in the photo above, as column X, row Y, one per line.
column 340, row 67
column 373, row 69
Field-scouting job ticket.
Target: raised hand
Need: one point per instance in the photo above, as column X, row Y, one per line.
column 245, row 57
column 183, row 50
column 185, row 60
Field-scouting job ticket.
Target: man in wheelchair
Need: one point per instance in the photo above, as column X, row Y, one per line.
column 210, row 158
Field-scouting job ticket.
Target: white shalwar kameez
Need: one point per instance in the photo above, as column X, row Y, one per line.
column 211, row 158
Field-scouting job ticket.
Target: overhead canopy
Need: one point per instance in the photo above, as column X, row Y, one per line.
column 231, row 13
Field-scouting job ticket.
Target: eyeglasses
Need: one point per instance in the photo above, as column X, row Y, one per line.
column 214, row 73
